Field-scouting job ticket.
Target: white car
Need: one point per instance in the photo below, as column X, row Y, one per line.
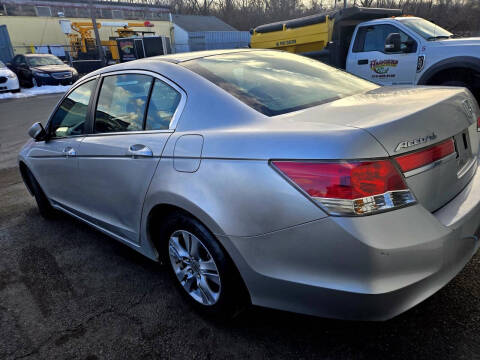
column 8, row 79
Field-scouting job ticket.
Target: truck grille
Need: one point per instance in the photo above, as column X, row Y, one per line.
column 3, row 79
column 62, row 75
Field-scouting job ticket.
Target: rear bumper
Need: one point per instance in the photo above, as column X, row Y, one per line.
column 365, row 268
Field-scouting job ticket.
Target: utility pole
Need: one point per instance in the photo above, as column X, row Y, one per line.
column 344, row 4
column 97, row 35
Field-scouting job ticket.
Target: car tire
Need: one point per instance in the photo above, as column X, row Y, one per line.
column 226, row 299
column 44, row 207
column 16, row 91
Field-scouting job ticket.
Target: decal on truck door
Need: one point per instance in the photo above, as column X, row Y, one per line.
column 381, row 68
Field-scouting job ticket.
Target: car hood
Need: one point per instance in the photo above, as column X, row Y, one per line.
column 5, row 71
column 473, row 41
column 52, row 68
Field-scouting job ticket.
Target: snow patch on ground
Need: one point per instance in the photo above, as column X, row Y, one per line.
column 47, row 89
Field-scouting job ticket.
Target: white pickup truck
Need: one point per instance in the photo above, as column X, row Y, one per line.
column 391, row 49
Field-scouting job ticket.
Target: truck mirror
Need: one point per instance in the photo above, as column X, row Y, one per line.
column 393, row 43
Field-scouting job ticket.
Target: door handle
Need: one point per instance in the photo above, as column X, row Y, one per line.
column 363, row 62
column 139, row 150
column 69, row 151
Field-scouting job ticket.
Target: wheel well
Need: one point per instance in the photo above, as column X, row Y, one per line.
column 162, row 211
column 24, row 171
column 466, row 75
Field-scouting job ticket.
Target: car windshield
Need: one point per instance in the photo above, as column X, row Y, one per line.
column 43, row 60
column 274, row 82
column 2, row 65
column 426, row 29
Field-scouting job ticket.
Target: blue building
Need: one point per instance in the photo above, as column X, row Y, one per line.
column 194, row 33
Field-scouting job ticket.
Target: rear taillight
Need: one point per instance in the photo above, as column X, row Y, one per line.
column 349, row 187
column 425, row 157
column 478, row 123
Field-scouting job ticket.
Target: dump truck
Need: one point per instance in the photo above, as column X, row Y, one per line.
column 380, row 45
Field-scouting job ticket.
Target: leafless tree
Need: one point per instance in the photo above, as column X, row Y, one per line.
column 458, row 16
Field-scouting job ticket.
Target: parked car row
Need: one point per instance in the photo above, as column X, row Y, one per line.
column 34, row 70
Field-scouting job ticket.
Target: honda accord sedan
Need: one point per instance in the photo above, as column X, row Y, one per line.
column 267, row 178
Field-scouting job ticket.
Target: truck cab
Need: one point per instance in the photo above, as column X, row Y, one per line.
column 380, row 45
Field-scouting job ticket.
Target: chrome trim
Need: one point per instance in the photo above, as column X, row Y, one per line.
column 62, row 75
column 183, row 94
column 431, row 165
column 466, row 168
column 374, row 204
column 137, row 132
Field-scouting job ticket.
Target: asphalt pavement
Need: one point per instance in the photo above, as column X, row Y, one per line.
column 70, row 292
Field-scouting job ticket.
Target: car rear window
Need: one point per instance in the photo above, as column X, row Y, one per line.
column 275, row 83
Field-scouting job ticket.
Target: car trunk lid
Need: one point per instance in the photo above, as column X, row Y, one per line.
column 406, row 120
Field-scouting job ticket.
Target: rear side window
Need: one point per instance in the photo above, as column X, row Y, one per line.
column 163, row 103
column 71, row 116
column 274, row 82
column 122, row 103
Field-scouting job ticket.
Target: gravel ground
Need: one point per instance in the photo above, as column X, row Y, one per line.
column 70, row 292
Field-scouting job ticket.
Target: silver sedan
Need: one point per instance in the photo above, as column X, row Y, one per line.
column 266, row 178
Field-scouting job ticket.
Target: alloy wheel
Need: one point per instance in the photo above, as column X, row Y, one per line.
column 194, row 267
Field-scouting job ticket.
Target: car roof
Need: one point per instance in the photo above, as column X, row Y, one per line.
column 181, row 57
column 151, row 63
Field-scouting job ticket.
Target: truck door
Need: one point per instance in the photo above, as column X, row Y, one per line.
column 367, row 57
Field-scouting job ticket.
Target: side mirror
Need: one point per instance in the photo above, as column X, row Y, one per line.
column 37, row 132
column 393, row 43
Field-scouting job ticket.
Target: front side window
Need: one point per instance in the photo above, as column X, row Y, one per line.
column 275, row 83
column 122, row 103
column 162, row 106
column 374, row 37
column 71, row 116
column 426, row 29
